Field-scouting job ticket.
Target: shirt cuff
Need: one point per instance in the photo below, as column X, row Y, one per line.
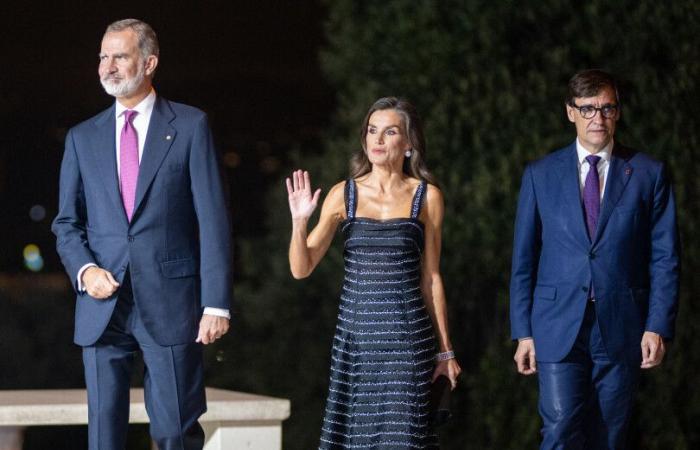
column 82, row 270
column 217, row 312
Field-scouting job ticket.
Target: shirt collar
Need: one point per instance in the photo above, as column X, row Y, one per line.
column 144, row 107
column 604, row 153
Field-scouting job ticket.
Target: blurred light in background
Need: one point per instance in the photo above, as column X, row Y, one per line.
column 270, row 165
column 37, row 213
column 231, row 159
column 32, row 258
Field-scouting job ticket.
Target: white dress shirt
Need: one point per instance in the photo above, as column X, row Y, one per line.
column 602, row 166
column 140, row 123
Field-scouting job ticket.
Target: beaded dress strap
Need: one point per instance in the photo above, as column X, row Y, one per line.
column 418, row 200
column 350, row 198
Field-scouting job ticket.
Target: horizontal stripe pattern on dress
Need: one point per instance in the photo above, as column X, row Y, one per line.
column 381, row 225
column 428, row 327
column 369, row 282
column 339, row 445
column 381, row 300
column 396, row 341
column 384, row 412
column 382, row 357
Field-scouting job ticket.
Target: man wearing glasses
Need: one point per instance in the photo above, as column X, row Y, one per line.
column 594, row 283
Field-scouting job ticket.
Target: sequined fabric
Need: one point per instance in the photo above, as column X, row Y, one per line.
column 383, row 349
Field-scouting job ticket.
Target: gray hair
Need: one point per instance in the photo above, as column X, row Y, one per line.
column 148, row 41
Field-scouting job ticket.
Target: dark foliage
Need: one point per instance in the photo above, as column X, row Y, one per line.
column 489, row 79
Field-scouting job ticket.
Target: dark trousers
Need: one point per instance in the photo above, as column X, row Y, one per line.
column 586, row 399
column 173, row 384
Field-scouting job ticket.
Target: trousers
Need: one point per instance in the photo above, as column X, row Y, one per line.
column 173, row 383
column 586, row 399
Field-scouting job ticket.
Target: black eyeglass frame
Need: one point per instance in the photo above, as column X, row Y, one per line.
column 611, row 109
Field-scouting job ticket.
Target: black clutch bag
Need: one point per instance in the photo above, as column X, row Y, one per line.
column 440, row 394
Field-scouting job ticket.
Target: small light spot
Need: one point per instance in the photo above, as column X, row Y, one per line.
column 270, row 164
column 37, row 213
column 32, row 258
column 31, row 251
column 232, row 159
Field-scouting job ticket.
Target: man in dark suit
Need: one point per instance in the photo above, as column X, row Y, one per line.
column 143, row 232
column 594, row 284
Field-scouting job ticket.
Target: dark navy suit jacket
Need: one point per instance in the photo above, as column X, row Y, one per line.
column 632, row 261
column 177, row 247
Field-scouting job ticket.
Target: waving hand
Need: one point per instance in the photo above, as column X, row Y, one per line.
column 301, row 201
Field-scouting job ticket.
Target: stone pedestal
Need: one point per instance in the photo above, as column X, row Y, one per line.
column 234, row 420
column 11, row 438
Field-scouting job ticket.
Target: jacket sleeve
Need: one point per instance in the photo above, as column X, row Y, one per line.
column 212, row 218
column 70, row 222
column 664, row 264
column 526, row 252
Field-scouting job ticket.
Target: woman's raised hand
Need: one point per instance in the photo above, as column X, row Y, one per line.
column 301, row 202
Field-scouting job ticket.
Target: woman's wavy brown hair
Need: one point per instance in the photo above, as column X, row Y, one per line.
column 412, row 128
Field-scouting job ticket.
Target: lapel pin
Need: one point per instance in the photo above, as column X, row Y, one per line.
column 628, row 171
column 168, row 137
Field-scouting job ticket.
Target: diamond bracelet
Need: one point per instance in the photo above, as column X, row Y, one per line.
column 444, row 356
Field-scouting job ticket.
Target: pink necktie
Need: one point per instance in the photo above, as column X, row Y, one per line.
column 128, row 163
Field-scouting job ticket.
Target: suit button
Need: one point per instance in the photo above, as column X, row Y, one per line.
column 130, row 238
column 584, row 288
column 591, row 255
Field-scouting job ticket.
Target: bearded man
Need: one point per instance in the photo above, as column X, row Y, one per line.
column 143, row 233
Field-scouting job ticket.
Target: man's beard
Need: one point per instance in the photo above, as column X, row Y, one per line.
column 125, row 87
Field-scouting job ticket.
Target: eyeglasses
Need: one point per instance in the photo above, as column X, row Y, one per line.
column 588, row 111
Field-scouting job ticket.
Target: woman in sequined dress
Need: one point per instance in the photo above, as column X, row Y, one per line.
column 391, row 340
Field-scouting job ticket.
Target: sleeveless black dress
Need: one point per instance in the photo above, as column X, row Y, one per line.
column 384, row 344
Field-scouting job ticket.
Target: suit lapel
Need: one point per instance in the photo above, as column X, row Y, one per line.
column 159, row 138
column 619, row 174
column 571, row 193
column 106, row 157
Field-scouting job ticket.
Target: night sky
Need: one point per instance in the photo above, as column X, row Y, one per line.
column 252, row 66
